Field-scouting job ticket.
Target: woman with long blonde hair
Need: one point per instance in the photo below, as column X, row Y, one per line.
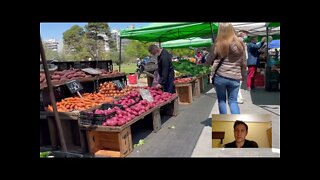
column 229, row 67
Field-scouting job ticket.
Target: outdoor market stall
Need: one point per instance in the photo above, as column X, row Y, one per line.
column 103, row 93
column 162, row 32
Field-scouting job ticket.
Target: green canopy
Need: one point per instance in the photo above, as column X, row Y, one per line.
column 274, row 24
column 185, row 43
column 161, row 32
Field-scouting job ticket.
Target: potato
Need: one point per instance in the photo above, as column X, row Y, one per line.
column 55, row 77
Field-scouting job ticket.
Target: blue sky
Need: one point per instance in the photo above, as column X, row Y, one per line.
column 56, row 30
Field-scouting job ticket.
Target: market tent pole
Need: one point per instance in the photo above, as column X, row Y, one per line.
column 120, row 55
column 267, row 41
column 212, row 32
column 52, row 98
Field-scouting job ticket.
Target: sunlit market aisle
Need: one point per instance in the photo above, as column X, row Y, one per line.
column 257, row 102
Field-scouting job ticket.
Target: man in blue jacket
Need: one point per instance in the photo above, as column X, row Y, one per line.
column 253, row 60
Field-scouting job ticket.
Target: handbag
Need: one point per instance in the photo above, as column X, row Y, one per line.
column 215, row 71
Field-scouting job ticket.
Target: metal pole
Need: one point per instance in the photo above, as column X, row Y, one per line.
column 120, row 55
column 212, row 35
column 265, row 76
column 96, row 46
column 267, row 42
column 52, row 98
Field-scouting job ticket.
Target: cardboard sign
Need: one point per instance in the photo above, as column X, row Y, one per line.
column 145, row 94
column 91, row 71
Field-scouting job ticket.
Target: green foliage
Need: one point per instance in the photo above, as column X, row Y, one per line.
column 183, row 52
column 187, row 67
column 88, row 42
column 50, row 54
column 136, row 49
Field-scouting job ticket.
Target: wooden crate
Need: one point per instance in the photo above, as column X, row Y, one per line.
column 184, row 92
column 171, row 109
column 75, row 141
column 201, row 83
column 110, row 144
column 206, row 81
column 44, row 131
column 196, row 88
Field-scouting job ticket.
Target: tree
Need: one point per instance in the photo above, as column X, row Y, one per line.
column 50, row 54
column 88, row 42
column 183, row 52
column 73, row 39
column 136, row 49
column 97, row 34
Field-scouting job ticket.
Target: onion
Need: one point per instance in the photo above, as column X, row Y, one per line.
column 128, row 119
column 121, row 122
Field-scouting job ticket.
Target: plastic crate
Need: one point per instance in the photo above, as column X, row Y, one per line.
column 89, row 118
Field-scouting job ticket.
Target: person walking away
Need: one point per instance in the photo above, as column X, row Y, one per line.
column 229, row 52
column 253, row 60
column 165, row 68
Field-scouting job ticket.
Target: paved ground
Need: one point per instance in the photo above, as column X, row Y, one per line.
column 192, row 135
column 257, row 102
column 180, row 141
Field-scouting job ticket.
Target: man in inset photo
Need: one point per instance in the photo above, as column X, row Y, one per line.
column 240, row 130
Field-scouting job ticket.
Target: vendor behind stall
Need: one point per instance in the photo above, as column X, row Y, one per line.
column 165, row 68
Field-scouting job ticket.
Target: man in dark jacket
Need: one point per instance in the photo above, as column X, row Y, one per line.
column 165, row 68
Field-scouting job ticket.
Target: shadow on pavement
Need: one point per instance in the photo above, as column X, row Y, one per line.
column 143, row 128
column 207, row 122
column 263, row 97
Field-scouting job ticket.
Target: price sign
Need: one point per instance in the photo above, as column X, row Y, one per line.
column 91, row 71
column 145, row 94
column 74, row 86
column 119, row 84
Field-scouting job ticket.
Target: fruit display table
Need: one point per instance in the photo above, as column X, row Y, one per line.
column 116, row 141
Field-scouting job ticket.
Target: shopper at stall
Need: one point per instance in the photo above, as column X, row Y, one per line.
column 229, row 67
column 165, row 68
column 253, row 60
column 240, row 131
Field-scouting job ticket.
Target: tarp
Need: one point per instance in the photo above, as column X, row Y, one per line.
column 274, row 24
column 258, row 29
column 185, row 43
column 162, row 32
column 274, row 37
column 274, row 44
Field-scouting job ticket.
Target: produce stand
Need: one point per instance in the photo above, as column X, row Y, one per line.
column 116, row 141
column 185, row 93
column 195, row 86
column 69, row 125
column 204, row 81
column 103, row 64
column 120, row 76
